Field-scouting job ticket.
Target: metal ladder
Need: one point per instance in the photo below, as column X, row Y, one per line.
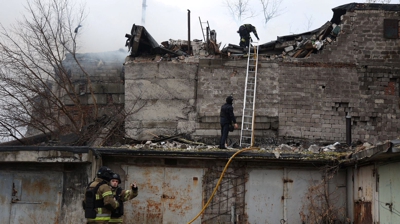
column 206, row 35
column 207, row 30
column 248, row 116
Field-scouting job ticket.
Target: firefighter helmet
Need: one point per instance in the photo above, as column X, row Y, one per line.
column 116, row 176
column 105, row 173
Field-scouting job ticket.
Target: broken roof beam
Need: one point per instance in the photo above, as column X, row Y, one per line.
column 140, row 41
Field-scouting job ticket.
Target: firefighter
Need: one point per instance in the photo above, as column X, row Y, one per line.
column 227, row 117
column 99, row 201
column 121, row 196
column 244, row 32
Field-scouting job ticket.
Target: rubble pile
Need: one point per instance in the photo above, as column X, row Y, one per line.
column 141, row 44
column 179, row 144
column 295, row 46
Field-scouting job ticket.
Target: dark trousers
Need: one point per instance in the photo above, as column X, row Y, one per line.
column 224, row 135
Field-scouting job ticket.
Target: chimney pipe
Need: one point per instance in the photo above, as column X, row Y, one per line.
column 348, row 129
column 189, row 51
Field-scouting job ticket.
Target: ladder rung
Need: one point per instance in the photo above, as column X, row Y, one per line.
column 250, row 95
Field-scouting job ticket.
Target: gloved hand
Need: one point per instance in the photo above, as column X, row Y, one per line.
column 134, row 186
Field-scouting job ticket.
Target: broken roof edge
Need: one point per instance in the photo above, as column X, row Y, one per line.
column 388, row 151
column 350, row 7
column 74, row 149
column 294, row 36
column 312, row 158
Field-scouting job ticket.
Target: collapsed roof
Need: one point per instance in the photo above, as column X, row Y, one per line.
column 140, row 42
column 302, row 45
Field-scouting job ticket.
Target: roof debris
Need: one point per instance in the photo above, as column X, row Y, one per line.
column 295, row 46
column 141, row 44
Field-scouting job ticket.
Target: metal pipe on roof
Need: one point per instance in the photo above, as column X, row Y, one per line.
column 348, row 129
column 188, row 51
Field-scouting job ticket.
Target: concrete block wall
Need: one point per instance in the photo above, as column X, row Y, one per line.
column 186, row 98
column 161, row 98
column 315, row 99
column 106, row 73
column 106, row 88
column 225, row 77
column 357, row 74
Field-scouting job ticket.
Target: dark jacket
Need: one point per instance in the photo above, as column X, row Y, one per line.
column 103, row 193
column 226, row 114
column 249, row 28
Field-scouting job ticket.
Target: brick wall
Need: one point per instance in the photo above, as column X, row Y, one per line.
column 357, row 74
column 107, row 83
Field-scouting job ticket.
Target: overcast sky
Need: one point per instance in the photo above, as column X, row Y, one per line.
column 109, row 20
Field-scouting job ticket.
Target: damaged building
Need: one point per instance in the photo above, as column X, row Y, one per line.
column 307, row 85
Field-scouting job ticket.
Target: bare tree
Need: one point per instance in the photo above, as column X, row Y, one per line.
column 320, row 204
column 240, row 10
column 37, row 90
column 309, row 22
column 271, row 9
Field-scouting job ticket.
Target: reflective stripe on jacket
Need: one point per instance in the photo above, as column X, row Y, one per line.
column 105, row 194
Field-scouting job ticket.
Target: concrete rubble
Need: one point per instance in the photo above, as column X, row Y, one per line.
column 142, row 45
column 295, row 46
column 178, row 145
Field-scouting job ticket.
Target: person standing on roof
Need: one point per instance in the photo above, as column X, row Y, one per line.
column 244, row 32
column 121, row 196
column 99, row 201
column 227, row 117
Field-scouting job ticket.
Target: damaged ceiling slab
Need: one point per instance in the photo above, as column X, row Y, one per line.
column 302, row 45
column 141, row 43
